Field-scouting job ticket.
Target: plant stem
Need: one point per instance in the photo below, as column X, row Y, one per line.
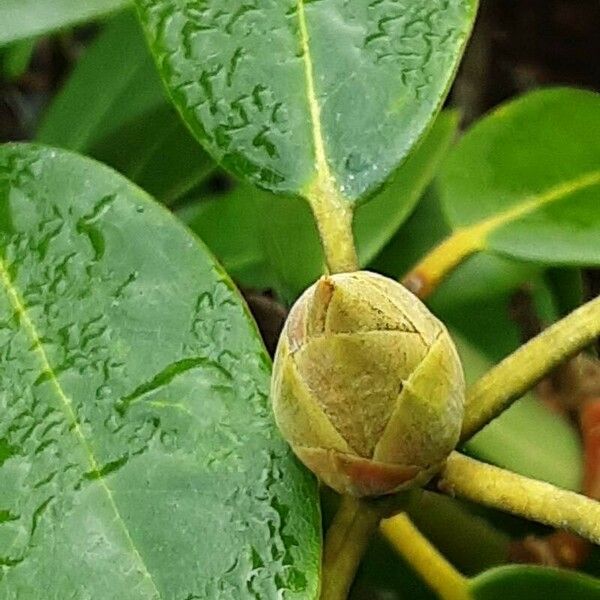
column 425, row 277
column 334, row 215
column 535, row 500
column 424, row 558
column 507, row 381
column 345, row 544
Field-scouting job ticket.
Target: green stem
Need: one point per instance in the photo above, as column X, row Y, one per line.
column 534, row 500
column 424, row 278
column 345, row 545
column 520, row 371
column 424, row 558
column 334, row 215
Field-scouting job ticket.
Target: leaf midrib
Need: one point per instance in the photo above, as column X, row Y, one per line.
column 321, row 165
column 67, row 406
column 480, row 231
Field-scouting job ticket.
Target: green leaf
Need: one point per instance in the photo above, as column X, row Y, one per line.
column 297, row 95
column 487, row 323
column 157, row 152
column 15, row 59
column 114, row 83
column 469, row 541
column 567, row 289
column 139, row 458
column 113, row 108
column 527, row 438
column 375, row 223
column 264, row 241
column 533, row 583
column 478, row 279
column 22, row 19
column 230, row 226
column 526, row 178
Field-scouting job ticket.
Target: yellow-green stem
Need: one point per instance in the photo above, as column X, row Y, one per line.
column 424, row 558
column 334, row 217
column 345, row 545
column 507, row 381
column 423, row 279
column 534, row 500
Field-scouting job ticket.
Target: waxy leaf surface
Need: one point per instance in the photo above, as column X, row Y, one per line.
column 138, row 456
column 294, row 94
column 526, row 179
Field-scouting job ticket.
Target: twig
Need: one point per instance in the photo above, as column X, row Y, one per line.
column 345, row 545
column 535, row 500
column 507, row 381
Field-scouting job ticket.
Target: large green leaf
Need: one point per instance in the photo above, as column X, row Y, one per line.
column 15, row 58
column 527, row 178
column 264, row 241
column 533, row 583
column 139, row 459
column 293, row 95
column 113, row 108
column 21, row 19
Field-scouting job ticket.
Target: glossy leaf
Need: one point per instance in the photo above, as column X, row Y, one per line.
column 114, row 108
column 293, row 94
column 22, row 19
column 527, row 177
column 139, row 456
column 527, row 438
column 533, row 583
column 266, row 241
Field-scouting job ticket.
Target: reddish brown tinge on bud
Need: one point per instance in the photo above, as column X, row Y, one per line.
column 367, row 386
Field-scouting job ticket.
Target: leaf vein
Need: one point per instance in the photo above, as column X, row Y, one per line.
column 67, row 406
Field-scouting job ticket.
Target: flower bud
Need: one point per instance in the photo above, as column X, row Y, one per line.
column 367, row 386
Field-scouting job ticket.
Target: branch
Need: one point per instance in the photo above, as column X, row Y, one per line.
column 423, row 557
column 511, row 378
column 345, row 545
column 534, row 500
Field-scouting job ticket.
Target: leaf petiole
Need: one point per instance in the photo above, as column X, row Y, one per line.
column 424, row 558
column 520, row 371
column 534, row 500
